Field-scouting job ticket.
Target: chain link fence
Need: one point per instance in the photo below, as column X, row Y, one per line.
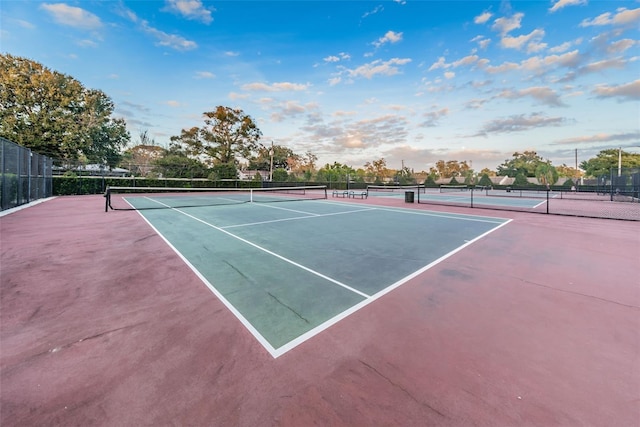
column 26, row 176
column 615, row 197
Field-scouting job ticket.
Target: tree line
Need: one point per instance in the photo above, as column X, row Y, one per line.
column 54, row 114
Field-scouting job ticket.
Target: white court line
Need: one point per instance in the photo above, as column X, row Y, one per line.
column 310, row 334
column 270, row 252
column 285, row 209
column 310, row 216
column 462, row 217
column 256, row 334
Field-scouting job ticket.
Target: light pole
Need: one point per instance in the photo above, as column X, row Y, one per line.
column 620, row 161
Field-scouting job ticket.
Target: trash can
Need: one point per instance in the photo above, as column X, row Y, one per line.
column 408, row 196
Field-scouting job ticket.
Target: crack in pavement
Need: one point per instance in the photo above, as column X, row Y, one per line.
column 401, row 388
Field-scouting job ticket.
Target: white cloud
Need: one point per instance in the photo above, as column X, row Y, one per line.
column 375, row 10
column 336, row 58
column 482, row 41
column 520, row 123
column 441, row 63
column 623, row 17
column 621, row 46
column 72, row 16
column 389, row 37
column 387, row 68
column 626, row 92
column 466, row 61
column 537, row 64
column 190, row 9
column 432, row 118
column 87, row 43
column 234, row 96
column 506, row 25
column 544, row 95
column 483, row 18
column 170, row 40
column 531, row 41
column 600, row 137
column 565, row 46
column 559, row 4
column 275, row 87
column 449, row 75
column 204, row 75
column 25, row 24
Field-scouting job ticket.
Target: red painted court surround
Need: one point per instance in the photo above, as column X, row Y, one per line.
column 100, row 323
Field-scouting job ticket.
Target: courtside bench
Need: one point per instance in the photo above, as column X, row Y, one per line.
column 349, row 194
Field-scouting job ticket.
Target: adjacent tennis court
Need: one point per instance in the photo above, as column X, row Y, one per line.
column 458, row 194
column 291, row 269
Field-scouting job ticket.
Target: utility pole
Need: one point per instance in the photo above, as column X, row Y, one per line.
column 271, row 165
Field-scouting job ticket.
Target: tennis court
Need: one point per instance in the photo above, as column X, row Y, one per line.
column 326, row 311
column 289, row 270
column 588, row 204
column 460, row 195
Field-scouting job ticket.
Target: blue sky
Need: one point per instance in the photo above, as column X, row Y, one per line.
column 412, row 82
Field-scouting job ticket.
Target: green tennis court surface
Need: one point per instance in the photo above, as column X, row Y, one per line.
column 289, row 270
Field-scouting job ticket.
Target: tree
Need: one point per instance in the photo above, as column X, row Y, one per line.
column 280, row 175
column 175, row 163
column 606, row 160
column 405, row 176
column 226, row 135
column 522, row 163
column 546, row 173
column 430, row 181
column 224, row 171
column 262, row 159
column 303, row 165
column 568, row 171
column 451, row 168
column 336, row 172
column 55, row 115
column 485, row 181
column 140, row 158
column 377, row 170
column 521, row 180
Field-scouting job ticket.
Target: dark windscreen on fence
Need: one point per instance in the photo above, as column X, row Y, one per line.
column 26, row 176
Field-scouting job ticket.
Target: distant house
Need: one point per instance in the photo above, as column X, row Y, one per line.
column 101, row 170
column 249, row 175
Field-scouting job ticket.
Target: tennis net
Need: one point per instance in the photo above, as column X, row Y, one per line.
column 448, row 188
column 138, row 198
column 393, row 190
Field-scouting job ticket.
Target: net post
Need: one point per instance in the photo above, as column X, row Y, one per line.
column 472, row 197
column 107, row 199
column 548, row 191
